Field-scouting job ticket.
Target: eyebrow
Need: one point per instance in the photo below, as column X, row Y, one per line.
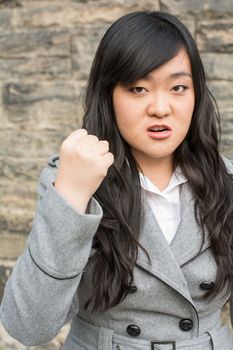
column 180, row 74
column 172, row 76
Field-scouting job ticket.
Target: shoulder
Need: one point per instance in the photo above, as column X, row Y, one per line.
column 228, row 163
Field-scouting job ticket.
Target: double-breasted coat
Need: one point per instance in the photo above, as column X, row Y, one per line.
column 51, row 282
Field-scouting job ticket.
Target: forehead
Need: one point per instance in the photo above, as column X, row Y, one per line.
column 178, row 66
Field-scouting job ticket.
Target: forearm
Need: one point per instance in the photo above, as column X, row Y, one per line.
column 41, row 294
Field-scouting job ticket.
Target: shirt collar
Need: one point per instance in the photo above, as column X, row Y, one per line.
column 177, row 179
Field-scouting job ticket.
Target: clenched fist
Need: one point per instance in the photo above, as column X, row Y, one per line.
column 84, row 162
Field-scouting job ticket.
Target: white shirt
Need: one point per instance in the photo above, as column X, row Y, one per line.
column 165, row 204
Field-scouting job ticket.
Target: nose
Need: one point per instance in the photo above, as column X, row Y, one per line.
column 159, row 106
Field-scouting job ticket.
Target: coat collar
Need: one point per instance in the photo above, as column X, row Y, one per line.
column 166, row 260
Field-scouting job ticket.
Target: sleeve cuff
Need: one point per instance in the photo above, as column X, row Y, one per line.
column 61, row 237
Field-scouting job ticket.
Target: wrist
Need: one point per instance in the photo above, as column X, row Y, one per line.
column 76, row 198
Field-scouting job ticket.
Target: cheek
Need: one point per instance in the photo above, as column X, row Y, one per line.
column 190, row 105
column 187, row 112
column 121, row 117
column 119, row 106
column 122, row 120
column 125, row 115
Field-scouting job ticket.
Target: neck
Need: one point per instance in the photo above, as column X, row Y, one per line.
column 159, row 171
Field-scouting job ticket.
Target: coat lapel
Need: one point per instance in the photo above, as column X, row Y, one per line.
column 166, row 260
column 188, row 241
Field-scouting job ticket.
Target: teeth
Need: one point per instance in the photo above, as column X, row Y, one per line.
column 158, row 129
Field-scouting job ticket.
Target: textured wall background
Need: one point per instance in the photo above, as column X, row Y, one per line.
column 46, row 48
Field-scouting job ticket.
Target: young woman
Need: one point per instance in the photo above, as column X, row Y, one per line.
column 132, row 237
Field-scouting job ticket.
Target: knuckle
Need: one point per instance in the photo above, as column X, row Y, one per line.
column 78, row 133
column 106, row 143
column 81, row 132
column 93, row 138
column 111, row 157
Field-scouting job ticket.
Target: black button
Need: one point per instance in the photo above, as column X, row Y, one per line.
column 206, row 285
column 133, row 330
column 186, row 324
column 132, row 289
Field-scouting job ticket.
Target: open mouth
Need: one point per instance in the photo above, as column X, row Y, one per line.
column 158, row 129
column 159, row 132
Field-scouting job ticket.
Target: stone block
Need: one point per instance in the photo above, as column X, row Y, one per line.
column 226, row 120
column 218, row 65
column 144, row 4
column 3, row 120
column 84, row 44
column 126, row 3
column 10, row 4
column 12, row 245
column 190, row 24
column 16, row 221
column 30, row 143
column 5, row 19
column 24, row 168
column 41, row 14
column 35, row 44
column 215, row 35
column 200, row 8
column 5, row 271
column 35, row 67
column 223, row 92
column 60, row 116
column 42, row 106
column 18, row 203
column 19, row 194
column 45, row 14
column 22, row 93
column 227, row 148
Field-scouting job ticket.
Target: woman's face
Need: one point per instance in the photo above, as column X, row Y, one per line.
column 153, row 114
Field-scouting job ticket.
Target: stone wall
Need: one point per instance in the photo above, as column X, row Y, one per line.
column 46, row 48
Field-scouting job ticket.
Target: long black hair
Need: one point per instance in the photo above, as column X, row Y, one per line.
column 133, row 46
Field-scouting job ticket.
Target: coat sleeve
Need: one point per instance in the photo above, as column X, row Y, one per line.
column 41, row 293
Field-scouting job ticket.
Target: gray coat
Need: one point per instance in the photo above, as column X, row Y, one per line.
column 52, row 280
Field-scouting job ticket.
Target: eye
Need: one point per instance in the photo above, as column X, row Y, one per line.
column 179, row 88
column 139, row 90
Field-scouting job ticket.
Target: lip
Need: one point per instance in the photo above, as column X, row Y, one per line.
column 164, row 126
column 159, row 135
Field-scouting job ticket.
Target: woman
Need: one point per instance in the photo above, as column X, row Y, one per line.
column 132, row 235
